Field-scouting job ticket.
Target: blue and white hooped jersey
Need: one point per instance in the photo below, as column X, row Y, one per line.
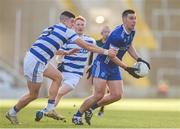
column 51, row 40
column 76, row 63
column 120, row 40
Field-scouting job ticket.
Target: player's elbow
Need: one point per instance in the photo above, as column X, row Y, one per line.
column 112, row 58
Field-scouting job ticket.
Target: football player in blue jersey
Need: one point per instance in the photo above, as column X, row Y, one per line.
column 106, row 71
column 36, row 63
column 72, row 66
column 104, row 35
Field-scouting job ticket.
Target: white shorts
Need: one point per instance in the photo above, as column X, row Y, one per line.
column 33, row 68
column 71, row 79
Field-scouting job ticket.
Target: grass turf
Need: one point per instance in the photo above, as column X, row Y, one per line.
column 127, row 113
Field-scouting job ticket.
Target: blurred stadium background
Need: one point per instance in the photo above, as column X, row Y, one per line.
column 157, row 39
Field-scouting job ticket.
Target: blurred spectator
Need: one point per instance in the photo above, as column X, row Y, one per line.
column 105, row 33
column 163, row 89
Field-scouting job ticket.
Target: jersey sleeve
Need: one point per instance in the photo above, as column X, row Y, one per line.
column 94, row 42
column 91, row 41
column 63, row 48
column 113, row 42
column 71, row 35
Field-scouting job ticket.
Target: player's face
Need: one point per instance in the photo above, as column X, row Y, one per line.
column 130, row 21
column 69, row 22
column 79, row 26
column 105, row 32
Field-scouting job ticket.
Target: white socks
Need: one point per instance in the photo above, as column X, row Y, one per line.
column 51, row 105
column 12, row 112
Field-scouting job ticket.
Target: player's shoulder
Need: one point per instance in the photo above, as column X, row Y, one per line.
column 115, row 32
column 86, row 36
column 118, row 29
column 89, row 39
column 64, row 28
column 61, row 27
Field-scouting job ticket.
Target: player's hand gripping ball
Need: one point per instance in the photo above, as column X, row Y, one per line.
column 143, row 69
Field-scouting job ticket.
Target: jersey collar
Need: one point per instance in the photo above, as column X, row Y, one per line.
column 126, row 30
column 62, row 24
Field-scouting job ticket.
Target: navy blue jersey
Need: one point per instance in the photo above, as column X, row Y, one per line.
column 120, row 40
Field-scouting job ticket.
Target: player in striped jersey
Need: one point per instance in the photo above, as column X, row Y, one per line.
column 36, row 62
column 73, row 65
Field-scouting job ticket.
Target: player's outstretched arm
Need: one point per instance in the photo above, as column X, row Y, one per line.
column 132, row 52
column 96, row 49
column 70, row 52
column 119, row 62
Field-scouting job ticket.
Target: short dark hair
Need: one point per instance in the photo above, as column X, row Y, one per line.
column 67, row 14
column 128, row 11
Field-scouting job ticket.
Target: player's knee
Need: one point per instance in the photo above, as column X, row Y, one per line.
column 33, row 96
column 99, row 96
column 116, row 96
column 58, row 77
column 60, row 94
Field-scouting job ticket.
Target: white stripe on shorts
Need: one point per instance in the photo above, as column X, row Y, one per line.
column 97, row 72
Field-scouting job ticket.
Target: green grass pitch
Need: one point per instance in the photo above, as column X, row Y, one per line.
column 127, row 113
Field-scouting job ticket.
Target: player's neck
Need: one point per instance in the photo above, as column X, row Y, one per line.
column 128, row 31
column 62, row 24
column 80, row 34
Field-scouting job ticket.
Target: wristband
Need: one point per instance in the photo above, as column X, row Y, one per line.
column 105, row 52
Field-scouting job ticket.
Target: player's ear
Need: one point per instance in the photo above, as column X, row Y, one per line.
column 124, row 19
